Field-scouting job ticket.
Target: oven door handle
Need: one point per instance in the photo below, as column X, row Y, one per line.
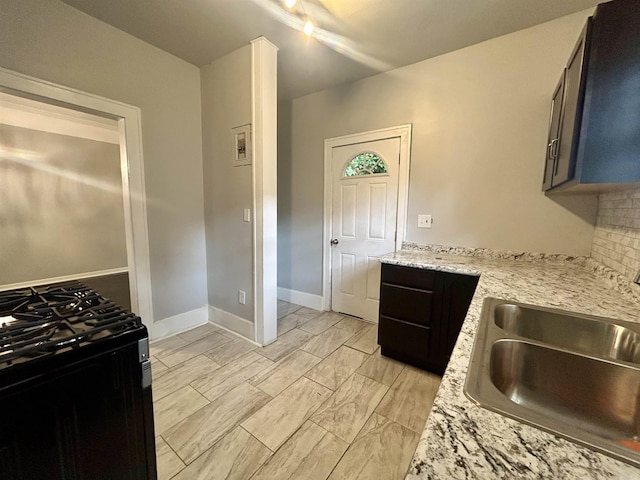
column 146, row 374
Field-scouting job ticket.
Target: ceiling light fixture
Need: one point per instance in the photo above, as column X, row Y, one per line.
column 305, row 23
column 308, row 28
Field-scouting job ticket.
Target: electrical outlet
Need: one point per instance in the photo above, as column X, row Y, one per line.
column 242, row 297
column 424, row 221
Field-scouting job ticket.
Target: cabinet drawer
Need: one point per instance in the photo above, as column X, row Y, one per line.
column 408, row 276
column 407, row 304
column 404, row 341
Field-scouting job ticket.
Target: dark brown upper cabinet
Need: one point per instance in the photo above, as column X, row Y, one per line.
column 594, row 131
column 554, row 133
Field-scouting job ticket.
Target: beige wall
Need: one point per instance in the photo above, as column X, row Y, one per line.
column 479, row 118
column 52, row 41
column 60, row 206
column 226, row 103
column 284, row 193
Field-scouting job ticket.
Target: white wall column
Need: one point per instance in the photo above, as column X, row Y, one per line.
column 264, row 57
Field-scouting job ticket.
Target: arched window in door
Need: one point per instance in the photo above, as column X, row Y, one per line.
column 367, row 163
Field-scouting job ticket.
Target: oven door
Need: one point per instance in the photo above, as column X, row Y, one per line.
column 82, row 421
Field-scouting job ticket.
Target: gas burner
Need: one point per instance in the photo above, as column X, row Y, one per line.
column 44, row 320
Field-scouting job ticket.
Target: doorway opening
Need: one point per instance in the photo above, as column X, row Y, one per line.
column 79, row 157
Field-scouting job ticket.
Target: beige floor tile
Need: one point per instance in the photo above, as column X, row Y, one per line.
column 209, row 436
column 274, row 423
column 366, row 340
column 409, row 399
column 159, row 348
column 236, row 457
column 334, row 370
column 350, row 406
column 201, row 430
column 311, row 453
column 182, row 375
column 354, row 325
column 276, row 378
column 327, row 342
column 285, row 344
column 285, row 308
column 309, row 312
column 382, row 451
column 289, row 322
column 229, row 334
column 231, row 351
column 319, row 324
column 231, row 375
column 157, row 367
column 198, row 332
column 193, row 349
column 176, row 407
column 381, row 369
column 167, row 462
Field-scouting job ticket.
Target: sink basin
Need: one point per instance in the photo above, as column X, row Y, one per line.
column 577, row 333
column 536, row 377
column 577, row 376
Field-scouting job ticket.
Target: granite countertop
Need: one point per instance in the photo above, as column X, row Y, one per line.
column 462, row 440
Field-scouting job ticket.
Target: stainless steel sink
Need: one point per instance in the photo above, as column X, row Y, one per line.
column 574, row 375
column 581, row 334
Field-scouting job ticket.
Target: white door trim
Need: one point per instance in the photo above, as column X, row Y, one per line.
column 402, row 131
column 132, row 168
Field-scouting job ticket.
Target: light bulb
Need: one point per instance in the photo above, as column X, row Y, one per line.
column 308, row 28
column 290, row 3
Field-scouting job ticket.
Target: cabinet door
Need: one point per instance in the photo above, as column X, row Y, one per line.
column 554, row 132
column 571, row 116
column 410, row 303
column 456, row 298
column 610, row 136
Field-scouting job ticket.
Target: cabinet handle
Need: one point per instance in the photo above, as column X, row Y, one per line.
column 553, row 151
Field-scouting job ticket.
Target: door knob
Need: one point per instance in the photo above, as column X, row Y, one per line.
column 334, row 241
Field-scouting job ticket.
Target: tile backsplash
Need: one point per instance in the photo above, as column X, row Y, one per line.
column 616, row 240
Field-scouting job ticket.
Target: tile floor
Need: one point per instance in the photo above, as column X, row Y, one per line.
column 320, row 402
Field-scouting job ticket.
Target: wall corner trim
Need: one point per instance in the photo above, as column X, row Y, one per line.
column 231, row 322
column 179, row 323
column 264, row 82
column 304, row 299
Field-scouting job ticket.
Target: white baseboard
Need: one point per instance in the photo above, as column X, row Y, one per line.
column 300, row 298
column 65, row 278
column 179, row 323
column 232, row 322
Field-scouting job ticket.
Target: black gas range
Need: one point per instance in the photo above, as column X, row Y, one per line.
column 75, row 381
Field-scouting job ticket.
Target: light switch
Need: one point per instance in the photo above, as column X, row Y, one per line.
column 424, row 221
column 247, row 214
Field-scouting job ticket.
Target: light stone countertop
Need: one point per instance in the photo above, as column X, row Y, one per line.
column 462, row 440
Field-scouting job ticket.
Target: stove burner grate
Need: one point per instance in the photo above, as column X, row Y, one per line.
column 44, row 320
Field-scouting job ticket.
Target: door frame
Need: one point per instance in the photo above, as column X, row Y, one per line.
column 131, row 167
column 404, row 133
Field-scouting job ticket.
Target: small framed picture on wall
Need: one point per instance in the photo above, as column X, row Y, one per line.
column 242, row 145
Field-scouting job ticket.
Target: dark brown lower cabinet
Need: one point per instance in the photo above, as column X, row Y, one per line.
column 421, row 313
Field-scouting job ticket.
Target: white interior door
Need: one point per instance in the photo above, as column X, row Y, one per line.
column 364, row 209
